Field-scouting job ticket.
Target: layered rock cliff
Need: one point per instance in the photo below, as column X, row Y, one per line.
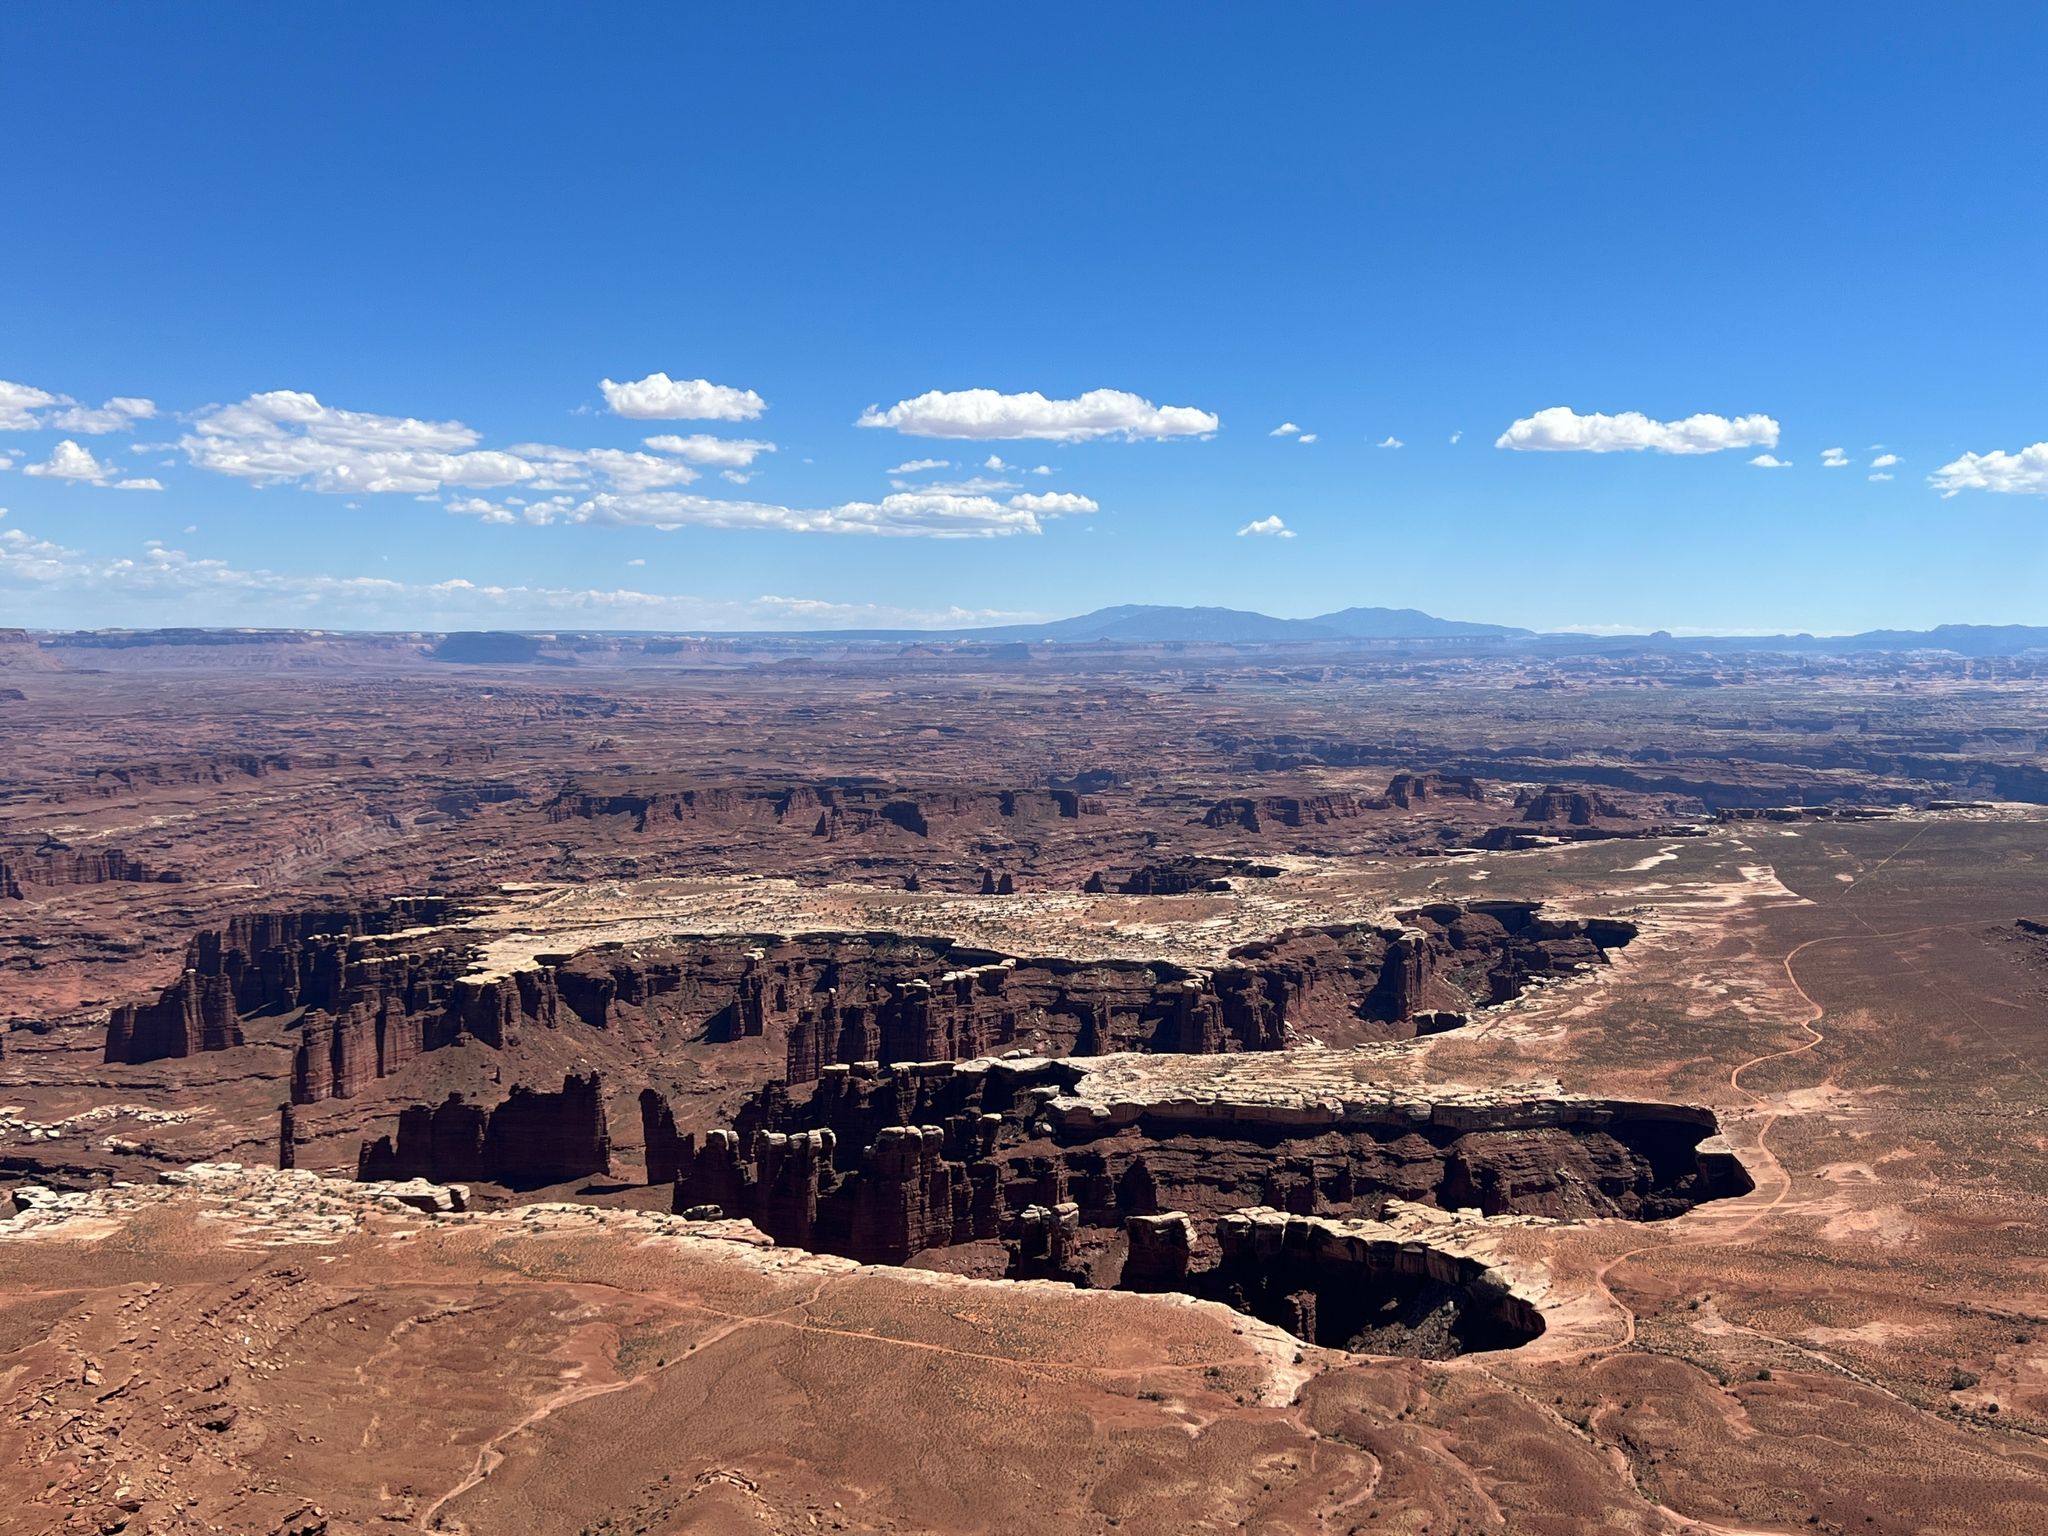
column 881, row 1163
column 529, row 1140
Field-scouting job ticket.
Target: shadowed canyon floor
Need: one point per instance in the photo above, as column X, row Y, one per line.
column 1313, row 1138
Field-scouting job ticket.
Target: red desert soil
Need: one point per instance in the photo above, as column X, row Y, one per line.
column 1691, row 1038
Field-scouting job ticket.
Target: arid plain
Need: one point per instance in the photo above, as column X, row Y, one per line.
column 969, row 1088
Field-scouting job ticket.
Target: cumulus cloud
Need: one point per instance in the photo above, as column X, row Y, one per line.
column 1285, row 429
column 1266, row 527
column 702, row 448
column 116, row 415
column 19, row 404
column 1833, row 458
column 69, row 461
column 736, row 476
column 567, row 468
column 661, row 398
column 1560, row 429
column 287, row 435
column 290, row 437
column 24, row 408
column 1880, row 475
column 1884, row 461
column 1054, row 503
column 919, row 466
column 1306, row 437
column 1391, row 441
column 2007, row 474
column 987, row 413
column 1457, row 436
column 1770, row 461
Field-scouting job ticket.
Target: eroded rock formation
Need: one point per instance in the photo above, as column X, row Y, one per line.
column 529, row 1140
column 880, row 1164
column 56, row 867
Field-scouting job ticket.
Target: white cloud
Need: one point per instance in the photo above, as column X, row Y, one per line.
column 68, row 461
column 116, row 415
column 19, row 404
column 1455, row 436
column 198, row 590
column 1306, row 437
column 661, row 398
column 1054, row 503
column 636, row 562
column 2007, row 474
column 1560, row 429
column 736, row 476
column 286, row 435
column 986, row 413
column 1266, row 527
column 1884, row 461
column 930, row 513
column 1880, row 475
column 567, row 468
column 1391, row 441
column 1041, row 469
column 994, row 461
column 6, row 462
column 1770, row 461
column 1285, row 429
column 702, row 448
column 144, row 483
column 290, row 437
column 1833, row 458
column 919, row 466
column 973, row 485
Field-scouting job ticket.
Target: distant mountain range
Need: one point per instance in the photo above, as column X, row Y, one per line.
column 1140, row 623
column 1130, row 624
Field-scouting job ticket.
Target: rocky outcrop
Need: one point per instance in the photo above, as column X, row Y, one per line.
column 59, row 868
column 1360, row 1291
column 880, row 1163
column 1178, row 877
column 659, row 1136
column 1405, row 791
column 1256, row 815
column 372, row 987
column 1574, row 807
column 277, row 962
column 830, row 809
column 194, row 1013
column 529, row 1140
column 835, row 999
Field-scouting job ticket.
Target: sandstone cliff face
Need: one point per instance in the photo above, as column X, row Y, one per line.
column 194, row 1013
column 261, row 963
column 529, row 1140
column 881, row 1163
column 373, row 993
column 830, row 809
column 58, row 868
column 1574, row 807
column 838, row 999
column 1346, row 1290
column 377, row 986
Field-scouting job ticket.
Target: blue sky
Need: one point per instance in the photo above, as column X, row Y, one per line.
column 346, row 246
